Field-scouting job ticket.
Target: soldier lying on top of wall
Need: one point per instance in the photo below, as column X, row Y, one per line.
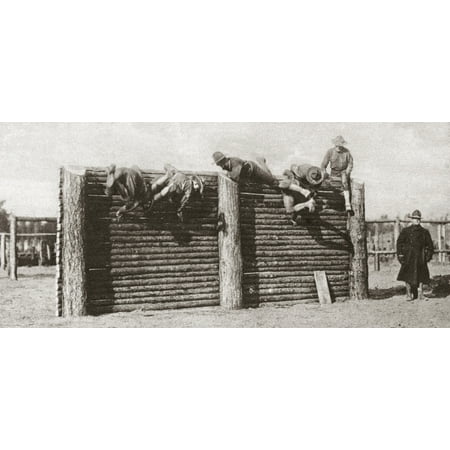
column 341, row 163
column 240, row 170
column 131, row 186
column 177, row 187
column 300, row 181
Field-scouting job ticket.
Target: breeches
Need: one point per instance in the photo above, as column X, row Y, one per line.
column 254, row 172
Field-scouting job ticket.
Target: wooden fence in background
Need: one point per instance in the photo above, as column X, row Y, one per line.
column 24, row 243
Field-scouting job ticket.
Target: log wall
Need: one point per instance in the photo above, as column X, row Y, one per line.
column 150, row 263
column 158, row 263
column 280, row 259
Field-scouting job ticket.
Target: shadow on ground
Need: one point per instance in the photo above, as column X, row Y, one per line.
column 438, row 288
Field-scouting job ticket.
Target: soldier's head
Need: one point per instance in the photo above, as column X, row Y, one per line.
column 198, row 185
column 220, row 159
column 416, row 217
column 339, row 142
column 110, row 179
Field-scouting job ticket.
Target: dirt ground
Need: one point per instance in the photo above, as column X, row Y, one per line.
column 29, row 302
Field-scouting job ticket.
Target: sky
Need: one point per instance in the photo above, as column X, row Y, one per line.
column 404, row 166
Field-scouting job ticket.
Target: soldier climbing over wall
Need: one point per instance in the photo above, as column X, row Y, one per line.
column 177, row 187
column 341, row 164
column 240, row 170
column 299, row 186
column 131, row 186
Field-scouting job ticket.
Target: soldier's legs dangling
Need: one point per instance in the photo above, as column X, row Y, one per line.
column 346, row 186
column 289, row 203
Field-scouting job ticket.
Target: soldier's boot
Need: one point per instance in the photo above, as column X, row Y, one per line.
column 414, row 292
column 348, row 205
column 421, row 296
column 408, row 292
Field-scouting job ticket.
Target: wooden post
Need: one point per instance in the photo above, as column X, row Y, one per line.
column 41, row 252
column 73, row 263
column 439, row 239
column 230, row 255
column 359, row 272
column 49, row 254
column 12, row 247
column 396, row 233
column 376, row 259
column 444, row 242
column 3, row 251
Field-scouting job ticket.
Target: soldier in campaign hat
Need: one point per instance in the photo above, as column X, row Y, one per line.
column 299, row 185
column 130, row 185
column 240, row 170
column 414, row 250
column 341, row 164
column 177, row 188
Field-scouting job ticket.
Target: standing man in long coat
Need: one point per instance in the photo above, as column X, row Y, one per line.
column 414, row 250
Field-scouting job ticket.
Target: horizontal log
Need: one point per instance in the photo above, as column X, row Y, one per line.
column 300, row 253
column 267, row 283
column 298, row 238
column 166, row 242
column 138, row 285
column 128, row 256
column 150, row 299
column 163, row 264
column 310, row 291
column 312, row 229
column 249, row 246
column 104, row 275
column 288, row 300
column 185, row 268
column 293, row 266
column 168, row 252
column 155, row 295
column 157, row 235
column 154, row 240
column 289, row 277
column 108, row 215
column 118, row 308
column 121, row 227
column 287, row 224
column 289, row 272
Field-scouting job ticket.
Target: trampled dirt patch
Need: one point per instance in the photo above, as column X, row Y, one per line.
column 30, row 302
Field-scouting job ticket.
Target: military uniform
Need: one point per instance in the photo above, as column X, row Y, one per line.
column 298, row 187
column 130, row 185
column 240, row 170
column 341, row 164
column 177, row 187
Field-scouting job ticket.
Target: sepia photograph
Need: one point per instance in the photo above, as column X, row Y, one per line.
column 232, row 224
column 224, row 225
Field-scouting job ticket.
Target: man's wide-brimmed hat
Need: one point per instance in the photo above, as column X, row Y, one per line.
column 314, row 175
column 339, row 140
column 200, row 182
column 416, row 215
column 218, row 157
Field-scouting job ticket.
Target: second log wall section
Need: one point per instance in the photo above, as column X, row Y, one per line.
column 280, row 259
